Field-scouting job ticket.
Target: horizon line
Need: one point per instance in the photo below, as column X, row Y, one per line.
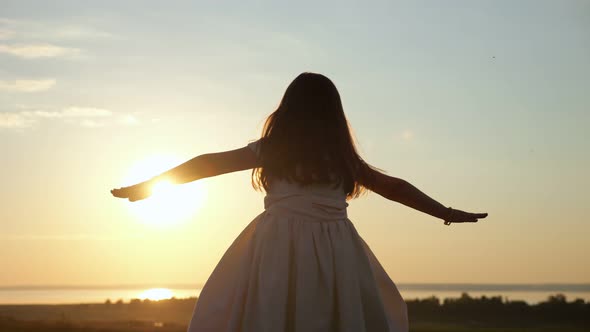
column 585, row 286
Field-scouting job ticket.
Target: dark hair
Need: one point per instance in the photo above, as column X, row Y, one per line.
column 309, row 129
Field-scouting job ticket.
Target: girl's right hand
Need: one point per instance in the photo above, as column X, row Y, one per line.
column 462, row 216
column 135, row 192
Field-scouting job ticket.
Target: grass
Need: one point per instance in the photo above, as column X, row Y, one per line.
column 173, row 316
column 144, row 326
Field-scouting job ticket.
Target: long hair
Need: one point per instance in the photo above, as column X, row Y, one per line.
column 307, row 140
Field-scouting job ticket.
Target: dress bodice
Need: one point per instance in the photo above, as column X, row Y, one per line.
column 320, row 201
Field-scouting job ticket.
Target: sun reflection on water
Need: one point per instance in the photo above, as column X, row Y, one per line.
column 156, row 294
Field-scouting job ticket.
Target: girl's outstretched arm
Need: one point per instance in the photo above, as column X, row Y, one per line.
column 401, row 191
column 203, row 166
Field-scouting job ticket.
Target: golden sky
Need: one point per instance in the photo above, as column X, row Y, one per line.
column 482, row 107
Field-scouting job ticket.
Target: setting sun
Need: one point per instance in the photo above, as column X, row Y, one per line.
column 169, row 203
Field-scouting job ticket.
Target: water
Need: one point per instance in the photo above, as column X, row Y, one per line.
column 90, row 294
column 99, row 294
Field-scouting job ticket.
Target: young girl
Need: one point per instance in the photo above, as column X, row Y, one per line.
column 300, row 265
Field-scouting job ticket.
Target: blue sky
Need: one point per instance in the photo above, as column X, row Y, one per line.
column 481, row 104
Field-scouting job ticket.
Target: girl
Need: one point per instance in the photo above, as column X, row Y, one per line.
column 301, row 265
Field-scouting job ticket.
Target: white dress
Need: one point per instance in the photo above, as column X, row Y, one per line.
column 299, row 266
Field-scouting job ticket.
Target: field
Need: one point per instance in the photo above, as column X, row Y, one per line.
column 139, row 326
column 429, row 315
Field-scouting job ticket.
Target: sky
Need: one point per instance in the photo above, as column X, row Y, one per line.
column 483, row 105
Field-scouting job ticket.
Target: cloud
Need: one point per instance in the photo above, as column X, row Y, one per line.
column 88, row 117
column 32, row 51
column 39, row 30
column 14, row 120
column 129, row 120
column 27, row 85
column 41, row 114
column 79, row 32
column 70, row 112
column 85, row 112
column 60, row 237
column 5, row 34
column 31, row 39
column 91, row 123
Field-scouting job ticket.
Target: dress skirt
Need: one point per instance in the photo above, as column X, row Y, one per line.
column 299, row 266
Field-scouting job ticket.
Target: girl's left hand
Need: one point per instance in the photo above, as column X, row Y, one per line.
column 135, row 192
column 458, row 216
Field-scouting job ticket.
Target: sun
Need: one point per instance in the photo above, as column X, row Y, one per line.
column 169, row 204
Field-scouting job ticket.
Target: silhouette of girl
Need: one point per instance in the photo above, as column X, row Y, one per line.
column 300, row 265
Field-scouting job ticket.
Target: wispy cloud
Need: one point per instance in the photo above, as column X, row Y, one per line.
column 14, row 120
column 29, row 39
column 39, row 30
column 72, row 112
column 32, row 51
column 67, row 237
column 26, row 85
column 73, row 32
column 88, row 117
column 129, row 120
column 5, row 34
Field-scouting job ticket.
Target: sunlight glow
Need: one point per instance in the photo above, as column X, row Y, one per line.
column 156, row 294
column 169, row 203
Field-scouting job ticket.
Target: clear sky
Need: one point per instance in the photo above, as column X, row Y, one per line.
column 483, row 105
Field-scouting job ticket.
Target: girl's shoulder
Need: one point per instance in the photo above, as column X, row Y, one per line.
column 255, row 146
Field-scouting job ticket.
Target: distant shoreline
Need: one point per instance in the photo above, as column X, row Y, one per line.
column 409, row 286
column 92, row 294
